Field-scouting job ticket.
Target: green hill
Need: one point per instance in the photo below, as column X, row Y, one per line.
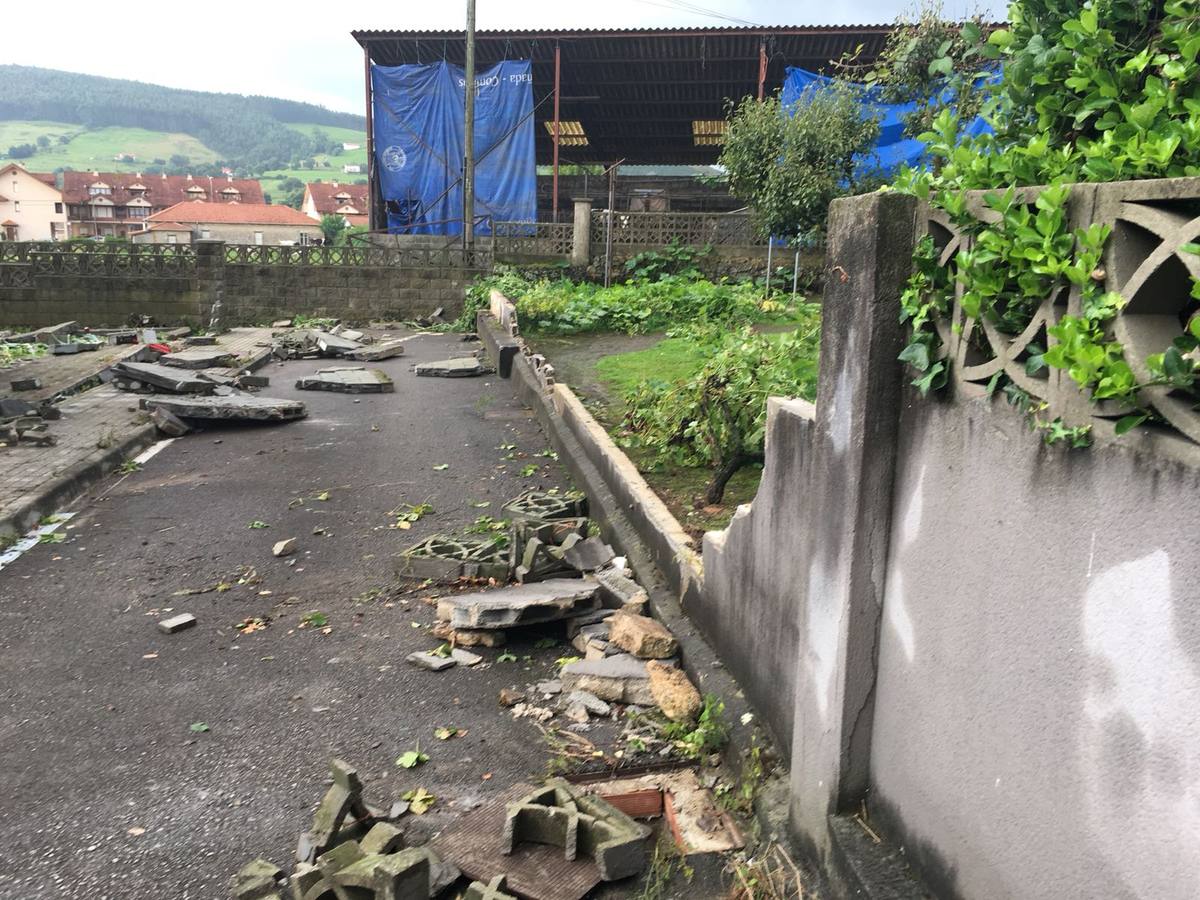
column 101, row 118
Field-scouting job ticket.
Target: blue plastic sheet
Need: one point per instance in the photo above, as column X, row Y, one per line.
column 892, row 149
column 419, row 113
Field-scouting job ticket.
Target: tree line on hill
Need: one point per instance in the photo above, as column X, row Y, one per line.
column 249, row 132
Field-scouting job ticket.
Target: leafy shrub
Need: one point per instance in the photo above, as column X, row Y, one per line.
column 565, row 307
column 717, row 418
column 673, row 259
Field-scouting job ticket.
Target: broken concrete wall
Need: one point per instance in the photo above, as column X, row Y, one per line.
column 988, row 637
column 48, row 292
column 754, row 573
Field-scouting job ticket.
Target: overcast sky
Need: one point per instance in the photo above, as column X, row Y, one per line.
column 303, row 50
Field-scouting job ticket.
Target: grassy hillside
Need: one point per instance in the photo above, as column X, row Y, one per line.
column 251, row 133
column 95, row 149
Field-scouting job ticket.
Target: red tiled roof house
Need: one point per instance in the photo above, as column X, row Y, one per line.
column 327, row 198
column 119, row 203
column 234, row 223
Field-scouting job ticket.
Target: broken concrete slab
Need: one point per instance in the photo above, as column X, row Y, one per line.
column 343, row 798
column 619, row 591
column 673, row 692
column 376, row 352
column 462, row 367
column 538, row 562
column 198, row 358
column 176, row 623
column 510, row 697
column 525, row 604
column 587, row 555
column 382, row 838
column 132, row 376
column 169, row 423
column 26, row 384
column 331, row 344
column 590, row 702
column 642, row 636
column 469, row 637
column 539, row 507
column 200, row 340
column 562, row 815
column 347, row 381
column 595, row 617
column 11, row 408
column 621, row 679
column 465, row 657
column 430, row 661
column 246, row 380
column 588, row 634
column 236, row 406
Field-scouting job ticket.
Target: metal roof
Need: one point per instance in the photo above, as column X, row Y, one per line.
column 638, row 92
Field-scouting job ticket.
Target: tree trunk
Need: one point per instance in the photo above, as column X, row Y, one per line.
column 715, row 491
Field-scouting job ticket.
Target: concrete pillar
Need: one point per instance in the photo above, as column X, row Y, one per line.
column 210, row 282
column 868, row 259
column 581, row 241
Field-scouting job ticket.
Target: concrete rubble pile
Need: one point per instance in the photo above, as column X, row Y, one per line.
column 338, row 342
column 22, row 422
column 198, row 382
column 63, row 339
column 564, row 576
column 351, row 850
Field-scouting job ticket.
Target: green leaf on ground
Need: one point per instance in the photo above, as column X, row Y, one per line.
column 198, row 727
column 410, row 759
column 419, row 801
column 257, row 524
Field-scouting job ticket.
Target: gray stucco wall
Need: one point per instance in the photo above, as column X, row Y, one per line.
column 1037, row 717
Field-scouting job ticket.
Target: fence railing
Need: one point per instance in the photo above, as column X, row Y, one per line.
column 661, row 228
column 360, row 256
column 51, row 258
column 533, row 238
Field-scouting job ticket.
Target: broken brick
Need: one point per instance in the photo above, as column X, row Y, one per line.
column 642, row 636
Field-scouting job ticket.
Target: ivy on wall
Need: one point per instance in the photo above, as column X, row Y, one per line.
column 1103, row 91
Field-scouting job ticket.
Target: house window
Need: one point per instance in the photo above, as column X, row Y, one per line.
column 171, row 239
column 97, row 190
column 58, row 208
column 205, row 234
column 258, row 238
column 16, row 206
column 305, row 239
column 138, row 212
column 102, row 212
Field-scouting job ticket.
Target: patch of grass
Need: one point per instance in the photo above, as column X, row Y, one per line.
column 671, row 359
column 95, row 148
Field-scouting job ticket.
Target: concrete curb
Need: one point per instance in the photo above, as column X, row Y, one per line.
column 75, row 481
column 631, row 516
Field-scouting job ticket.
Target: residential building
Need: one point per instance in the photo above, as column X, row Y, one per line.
column 326, row 198
column 119, row 203
column 31, row 207
column 235, row 223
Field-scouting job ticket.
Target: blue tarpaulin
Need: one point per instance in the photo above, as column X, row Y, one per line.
column 892, row 149
column 418, row 119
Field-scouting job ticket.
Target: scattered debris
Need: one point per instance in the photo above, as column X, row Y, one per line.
column 465, row 657
column 672, row 692
column 493, row 890
column 511, row 697
column 561, row 814
column 169, row 423
column 149, row 377
column 445, row 558
column 284, row 548
column 198, row 358
column 347, row 380
column 26, row 384
column 377, row 352
column 642, row 636
column 176, row 623
column 621, row 678
column 431, row 661
column 619, row 591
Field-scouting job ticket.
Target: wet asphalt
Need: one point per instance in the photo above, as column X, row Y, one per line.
column 108, row 791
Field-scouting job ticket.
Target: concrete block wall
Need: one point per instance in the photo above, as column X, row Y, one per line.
column 251, row 294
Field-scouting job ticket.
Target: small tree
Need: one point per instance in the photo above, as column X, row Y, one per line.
column 788, row 164
column 332, row 226
column 934, row 64
column 43, row 141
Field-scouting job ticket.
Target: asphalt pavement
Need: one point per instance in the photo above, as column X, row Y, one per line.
column 137, row 764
